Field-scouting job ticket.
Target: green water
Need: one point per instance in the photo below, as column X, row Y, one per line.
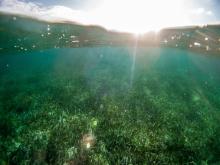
column 74, row 94
column 88, row 106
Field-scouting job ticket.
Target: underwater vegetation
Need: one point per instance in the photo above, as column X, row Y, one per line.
column 84, row 104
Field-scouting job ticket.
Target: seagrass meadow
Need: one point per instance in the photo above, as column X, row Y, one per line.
column 73, row 94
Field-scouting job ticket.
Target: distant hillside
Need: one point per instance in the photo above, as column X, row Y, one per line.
column 200, row 39
column 18, row 33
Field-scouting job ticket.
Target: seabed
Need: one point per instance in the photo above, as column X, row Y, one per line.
column 100, row 105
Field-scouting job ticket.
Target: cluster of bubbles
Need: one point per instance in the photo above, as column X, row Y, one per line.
column 202, row 42
column 193, row 43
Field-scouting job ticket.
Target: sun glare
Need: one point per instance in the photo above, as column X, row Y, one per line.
column 139, row 16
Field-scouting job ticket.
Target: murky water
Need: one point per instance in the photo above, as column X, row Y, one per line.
column 109, row 105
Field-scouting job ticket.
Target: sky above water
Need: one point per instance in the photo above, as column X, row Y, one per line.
column 123, row 15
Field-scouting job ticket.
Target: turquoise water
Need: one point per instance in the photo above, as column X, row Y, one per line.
column 104, row 98
column 51, row 99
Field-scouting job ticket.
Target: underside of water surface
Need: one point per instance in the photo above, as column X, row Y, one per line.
column 102, row 98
